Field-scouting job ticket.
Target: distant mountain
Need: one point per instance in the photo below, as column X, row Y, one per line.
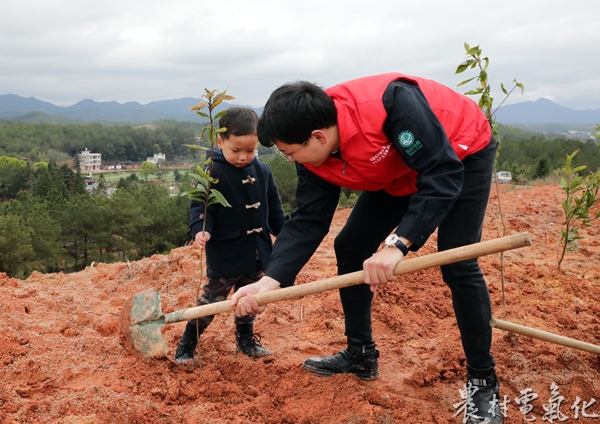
column 544, row 111
column 16, row 108
column 12, row 106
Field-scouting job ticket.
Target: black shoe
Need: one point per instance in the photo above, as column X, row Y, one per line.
column 249, row 343
column 358, row 358
column 184, row 354
column 484, row 405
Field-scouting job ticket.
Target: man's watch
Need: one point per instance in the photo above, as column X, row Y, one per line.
column 394, row 240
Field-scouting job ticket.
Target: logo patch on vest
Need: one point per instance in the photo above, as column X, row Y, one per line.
column 407, row 140
column 382, row 153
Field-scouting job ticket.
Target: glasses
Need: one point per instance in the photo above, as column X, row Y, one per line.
column 288, row 157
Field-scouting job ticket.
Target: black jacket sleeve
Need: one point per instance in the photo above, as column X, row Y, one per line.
column 419, row 136
column 309, row 223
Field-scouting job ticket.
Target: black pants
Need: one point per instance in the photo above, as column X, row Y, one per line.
column 217, row 289
column 376, row 215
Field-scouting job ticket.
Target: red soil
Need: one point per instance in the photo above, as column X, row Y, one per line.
column 62, row 359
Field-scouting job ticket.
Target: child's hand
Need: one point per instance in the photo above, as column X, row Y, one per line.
column 201, row 239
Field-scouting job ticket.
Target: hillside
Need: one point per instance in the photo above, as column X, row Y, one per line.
column 62, row 359
column 31, row 110
column 542, row 114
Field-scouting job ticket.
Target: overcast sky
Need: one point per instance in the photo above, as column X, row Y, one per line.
column 64, row 51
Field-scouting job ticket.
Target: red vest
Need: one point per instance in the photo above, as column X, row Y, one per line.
column 371, row 162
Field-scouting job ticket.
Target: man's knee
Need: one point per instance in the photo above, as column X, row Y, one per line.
column 463, row 272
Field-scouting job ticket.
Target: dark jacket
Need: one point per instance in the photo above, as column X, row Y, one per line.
column 240, row 232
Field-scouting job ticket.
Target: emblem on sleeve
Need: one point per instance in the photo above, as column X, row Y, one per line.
column 411, row 146
column 406, row 138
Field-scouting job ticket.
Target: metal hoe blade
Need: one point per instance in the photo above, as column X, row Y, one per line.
column 142, row 322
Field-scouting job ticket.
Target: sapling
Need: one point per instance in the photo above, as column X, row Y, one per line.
column 203, row 190
column 582, row 196
column 485, row 103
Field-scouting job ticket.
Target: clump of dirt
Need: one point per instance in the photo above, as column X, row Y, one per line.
column 62, row 359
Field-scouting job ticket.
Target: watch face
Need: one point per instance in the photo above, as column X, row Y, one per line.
column 391, row 240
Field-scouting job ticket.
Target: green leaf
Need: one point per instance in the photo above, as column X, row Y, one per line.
column 460, row 69
column 203, row 173
column 218, row 115
column 487, row 63
column 219, row 196
column 466, row 81
column 483, row 76
column 202, row 114
column 196, row 147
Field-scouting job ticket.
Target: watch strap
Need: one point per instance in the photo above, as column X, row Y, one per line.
column 402, row 247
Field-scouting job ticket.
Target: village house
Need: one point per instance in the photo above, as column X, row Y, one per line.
column 157, row 159
column 89, row 161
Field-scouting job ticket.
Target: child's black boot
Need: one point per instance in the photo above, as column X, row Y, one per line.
column 184, row 354
column 484, row 391
column 358, row 358
column 249, row 343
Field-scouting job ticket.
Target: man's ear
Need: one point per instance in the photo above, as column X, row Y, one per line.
column 319, row 135
column 219, row 141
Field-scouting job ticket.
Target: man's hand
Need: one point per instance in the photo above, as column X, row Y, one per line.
column 201, row 239
column 379, row 268
column 245, row 300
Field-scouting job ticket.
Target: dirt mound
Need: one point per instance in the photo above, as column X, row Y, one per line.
column 62, row 360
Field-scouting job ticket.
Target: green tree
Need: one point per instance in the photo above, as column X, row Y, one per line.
column 128, row 182
column 49, row 183
column 177, row 176
column 129, row 221
column 148, row 168
column 168, row 216
column 101, row 191
column 15, row 245
column 85, row 228
column 36, row 215
column 542, row 169
column 14, row 175
column 285, row 176
column 581, row 196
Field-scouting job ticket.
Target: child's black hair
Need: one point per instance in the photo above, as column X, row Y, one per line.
column 238, row 121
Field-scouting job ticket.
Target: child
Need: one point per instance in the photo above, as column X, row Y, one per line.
column 237, row 238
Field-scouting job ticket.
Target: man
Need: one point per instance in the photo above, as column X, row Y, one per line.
column 423, row 157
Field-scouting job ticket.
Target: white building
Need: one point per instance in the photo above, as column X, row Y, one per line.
column 157, row 159
column 91, row 185
column 90, row 161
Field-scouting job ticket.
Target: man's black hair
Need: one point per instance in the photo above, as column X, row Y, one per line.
column 238, row 121
column 293, row 112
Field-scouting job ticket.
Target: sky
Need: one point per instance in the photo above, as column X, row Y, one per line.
column 65, row 51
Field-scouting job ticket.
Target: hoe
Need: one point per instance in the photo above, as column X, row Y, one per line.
column 142, row 319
